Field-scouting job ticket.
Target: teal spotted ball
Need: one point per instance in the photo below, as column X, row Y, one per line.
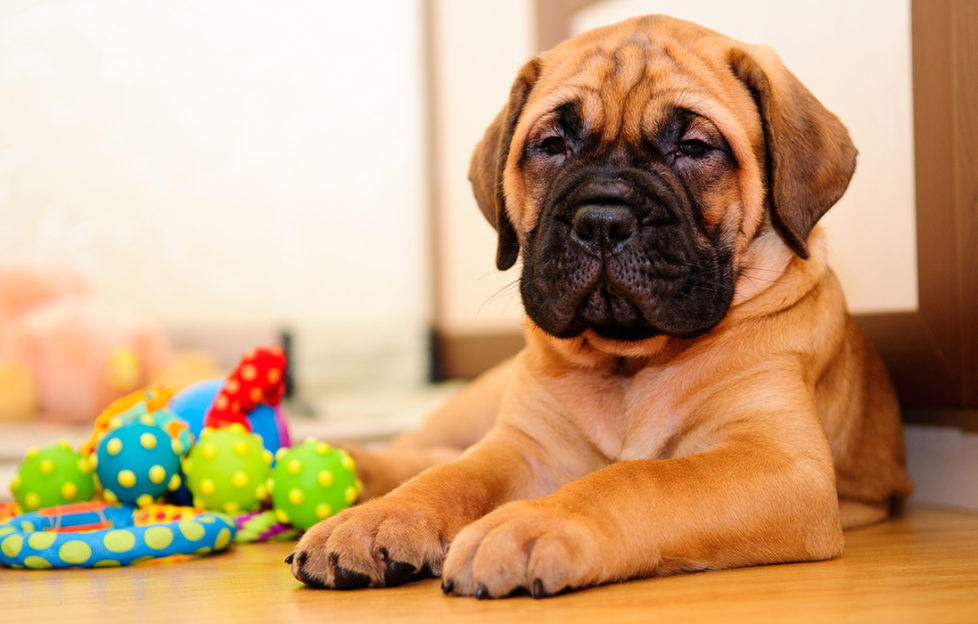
column 138, row 462
column 227, row 470
column 311, row 482
column 53, row 475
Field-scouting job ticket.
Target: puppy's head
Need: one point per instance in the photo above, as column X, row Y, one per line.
column 640, row 169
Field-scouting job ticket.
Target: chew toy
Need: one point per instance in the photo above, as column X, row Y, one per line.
column 98, row 535
column 138, row 461
column 259, row 378
column 311, row 482
column 53, row 475
column 227, row 470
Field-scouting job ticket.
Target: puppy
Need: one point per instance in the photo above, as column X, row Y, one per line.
column 693, row 394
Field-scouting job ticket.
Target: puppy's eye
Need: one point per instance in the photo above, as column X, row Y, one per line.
column 554, row 146
column 693, row 148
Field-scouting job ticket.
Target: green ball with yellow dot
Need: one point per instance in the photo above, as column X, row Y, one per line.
column 227, row 469
column 53, row 475
column 311, row 482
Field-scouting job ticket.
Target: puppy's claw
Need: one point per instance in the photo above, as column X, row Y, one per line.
column 482, row 593
column 448, row 586
column 397, row 573
column 537, row 589
column 348, row 579
column 311, row 581
column 290, row 558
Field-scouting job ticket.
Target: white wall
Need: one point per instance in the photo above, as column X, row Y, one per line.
column 223, row 161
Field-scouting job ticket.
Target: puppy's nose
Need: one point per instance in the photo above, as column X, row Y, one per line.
column 604, row 228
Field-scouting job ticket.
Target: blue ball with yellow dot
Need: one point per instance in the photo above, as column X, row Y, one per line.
column 138, row 462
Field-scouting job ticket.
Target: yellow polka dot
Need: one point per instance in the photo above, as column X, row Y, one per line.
column 347, row 461
column 27, row 527
column 147, row 441
column 115, row 423
column 322, row 448
column 32, row 452
column 323, row 511
column 158, row 537
column 65, row 444
column 261, row 492
column 32, row 501
column 69, row 491
column 203, row 550
column 15, row 484
column 157, row 474
column 249, row 372
column 177, row 447
column 294, row 467
column 144, row 500
column 46, row 467
column 110, row 496
column 191, row 530
column 174, row 483
column 267, row 456
column 232, row 507
column 93, row 461
column 199, row 503
column 209, row 451
column 84, row 466
column 241, row 447
column 142, row 559
column 75, row 552
column 239, row 479
column 281, row 452
column 113, row 446
column 207, row 486
column 350, row 494
column 127, row 478
column 206, row 519
column 236, row 426
column 119, row 541
column 296, row 496
column 11, row 545
column 41, row 539
column 223, row 539
column 36, row 563
column 187, row 465
column 147, row 419
column 324, row 478
column 4, row 530
column 282, row 516
column 106, row 563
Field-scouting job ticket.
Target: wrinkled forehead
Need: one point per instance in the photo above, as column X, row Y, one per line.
column 626, row 82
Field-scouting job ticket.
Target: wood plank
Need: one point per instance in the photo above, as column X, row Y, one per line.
column 921, row 567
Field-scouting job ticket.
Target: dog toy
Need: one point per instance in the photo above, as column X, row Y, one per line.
column 153, row 398
column 311, row 482
column 263, row 527
column 138, row 461
column 227, row 470
column 99, row 535
column 51, row 476
column 259, row 378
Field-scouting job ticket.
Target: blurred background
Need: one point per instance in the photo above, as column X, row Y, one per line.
column 180, row 181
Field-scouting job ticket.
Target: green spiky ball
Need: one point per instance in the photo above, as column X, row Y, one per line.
column 311, row 482
column 227, row 470
column 53, row 475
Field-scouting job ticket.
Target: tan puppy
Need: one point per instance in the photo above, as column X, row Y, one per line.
column 692, row 394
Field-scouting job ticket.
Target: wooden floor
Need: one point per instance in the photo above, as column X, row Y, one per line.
column 922, row 567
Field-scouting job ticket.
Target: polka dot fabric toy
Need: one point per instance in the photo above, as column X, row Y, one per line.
column 99, row 535
column 259, row 378
column 311, row 482
column 54, row 475
column 227, row 470
column 138, row 462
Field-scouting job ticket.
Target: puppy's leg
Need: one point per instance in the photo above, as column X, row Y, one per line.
column 404, row 535
column 458, row 424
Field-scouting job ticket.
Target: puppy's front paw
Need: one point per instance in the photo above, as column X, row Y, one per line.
column 533, row 545
column 381, row 543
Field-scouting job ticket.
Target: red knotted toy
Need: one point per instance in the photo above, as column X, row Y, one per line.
column 259, row 378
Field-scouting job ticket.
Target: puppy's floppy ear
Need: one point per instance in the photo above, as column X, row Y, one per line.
column 489, row 161
column 809, row 155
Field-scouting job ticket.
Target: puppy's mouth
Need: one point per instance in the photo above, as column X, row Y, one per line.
column 622, row 255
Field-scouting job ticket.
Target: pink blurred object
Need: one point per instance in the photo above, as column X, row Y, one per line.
column 81, row 353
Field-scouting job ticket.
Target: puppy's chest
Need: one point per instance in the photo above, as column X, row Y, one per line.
column 628, row 418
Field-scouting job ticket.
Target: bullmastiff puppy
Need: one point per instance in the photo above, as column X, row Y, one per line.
column 693, row 394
